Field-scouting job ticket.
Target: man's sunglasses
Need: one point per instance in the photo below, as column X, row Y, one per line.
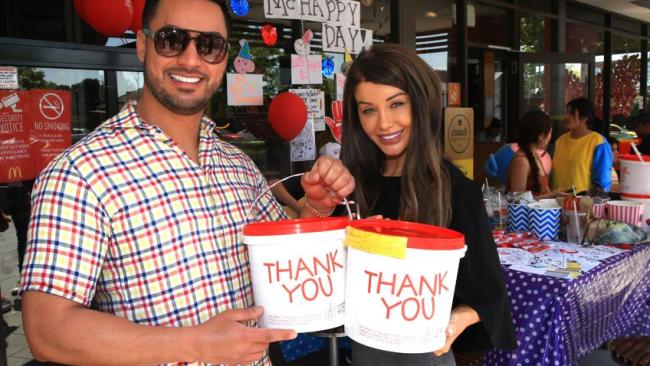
column 172, row 41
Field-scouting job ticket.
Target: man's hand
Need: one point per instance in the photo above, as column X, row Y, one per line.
column 326, row 184
column 226, row 339
column 462, row 316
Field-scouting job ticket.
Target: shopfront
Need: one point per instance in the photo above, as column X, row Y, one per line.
column 508, row 57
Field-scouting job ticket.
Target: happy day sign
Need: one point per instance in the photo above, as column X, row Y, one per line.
column 341, row 21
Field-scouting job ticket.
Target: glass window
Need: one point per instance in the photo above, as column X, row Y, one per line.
column 534, row 34
column 87, row 88
column 543, row 80
column 490, row 25
column 434, row 27
column 129, row 86
column 581, row 39
column 626, row 76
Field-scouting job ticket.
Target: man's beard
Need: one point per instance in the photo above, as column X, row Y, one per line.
column 174, row 103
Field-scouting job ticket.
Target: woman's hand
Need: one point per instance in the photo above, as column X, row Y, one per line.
column 462, row 316
column 325, row 185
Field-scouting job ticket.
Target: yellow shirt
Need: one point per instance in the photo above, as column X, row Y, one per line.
column 573, row 162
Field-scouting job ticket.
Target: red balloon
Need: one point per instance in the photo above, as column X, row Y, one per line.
column 287, row 115
column 109, row 17
column 136, row 22
column 269, row 35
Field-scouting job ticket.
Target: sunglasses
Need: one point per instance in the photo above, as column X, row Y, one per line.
column 172, row 41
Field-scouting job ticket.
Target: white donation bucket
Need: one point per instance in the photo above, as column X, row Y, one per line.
column 635, row 175
column 400, row 305
column 298, row 272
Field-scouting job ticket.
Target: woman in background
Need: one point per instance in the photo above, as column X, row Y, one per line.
column 526, row 171
column 392, row 104
column 582, row 157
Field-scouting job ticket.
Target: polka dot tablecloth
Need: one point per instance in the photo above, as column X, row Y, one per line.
column 559, row 321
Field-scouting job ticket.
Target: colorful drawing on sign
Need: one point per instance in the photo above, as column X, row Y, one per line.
column 339, row 86
column 315, row 101
column 302, row 45
column 243, row 63
column 336, row 124
column 306, row 70
column 244, row 89
column 347, row 62
column 303, row 147
column 328, row 67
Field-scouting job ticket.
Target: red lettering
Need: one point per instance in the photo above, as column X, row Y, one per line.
column 268, row 270
column 433, row 308
column 391, row 283
column 280, row 270
column 318, row 263
column 388, row 307
column 304, row 293
column 290, row 292
column 417, row 309
column 406, row 283
column 425, row 283
column 332, row 260
column 441, row 285
column 302, row 266
column 370, row 276
column 331, row 290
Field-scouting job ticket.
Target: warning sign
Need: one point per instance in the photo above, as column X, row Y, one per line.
column 35, row 126
column 8, row 77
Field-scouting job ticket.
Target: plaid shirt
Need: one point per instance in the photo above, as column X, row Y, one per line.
column 126, row 222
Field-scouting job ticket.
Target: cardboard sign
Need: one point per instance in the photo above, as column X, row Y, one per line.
column 8, row 77
column 245, row 89
column 459, row 138
column 322, row 11
column 306, row 70
column 35, row 127
column 338, row 38
column 315, row 102
column 303, row 147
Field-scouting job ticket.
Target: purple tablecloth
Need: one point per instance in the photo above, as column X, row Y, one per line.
column 559, row 321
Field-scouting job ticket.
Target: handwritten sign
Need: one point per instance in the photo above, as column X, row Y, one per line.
column 322, row 11
column 306, row 70
column 303, row 147
column 340, row 85
column 315, row 102
column 245, row 89
column 338, row 38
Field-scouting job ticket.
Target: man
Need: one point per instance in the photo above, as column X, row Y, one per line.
column 143, row 218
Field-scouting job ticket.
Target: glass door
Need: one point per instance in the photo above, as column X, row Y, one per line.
column 548, row 81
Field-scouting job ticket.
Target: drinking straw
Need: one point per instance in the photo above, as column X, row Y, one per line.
column 575, row 216
column 636, row 151
column 573, row 187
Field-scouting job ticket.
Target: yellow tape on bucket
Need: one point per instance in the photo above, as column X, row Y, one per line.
column 389, row 246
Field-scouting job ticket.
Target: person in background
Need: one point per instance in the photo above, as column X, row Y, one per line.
column 526, row 171
column 616, row 186
column 642, row 129
column 496, row 165
column 583, row 157
column 135, row 253
column 392, row 104
column 492, row 133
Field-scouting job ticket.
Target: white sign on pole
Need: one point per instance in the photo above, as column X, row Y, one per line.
column 8, row 77
column 336, row 38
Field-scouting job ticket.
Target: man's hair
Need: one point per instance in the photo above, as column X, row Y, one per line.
column 642, row 119
column 585, row 109
column 151, row 6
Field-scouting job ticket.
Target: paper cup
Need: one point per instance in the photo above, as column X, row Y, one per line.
column 598, row 211
column 628, row 212
column 545, row 220
column 518, row 221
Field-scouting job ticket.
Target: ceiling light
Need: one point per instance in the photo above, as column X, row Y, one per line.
column 431, row 14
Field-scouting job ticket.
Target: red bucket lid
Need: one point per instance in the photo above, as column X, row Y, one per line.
column 419, row 236
column 633, row 157
column 296, row 226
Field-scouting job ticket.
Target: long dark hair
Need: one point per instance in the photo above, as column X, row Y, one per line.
column 426, row 194
column 585, row 109
column 531, row 126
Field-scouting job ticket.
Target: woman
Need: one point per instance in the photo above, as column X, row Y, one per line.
column 582, row 157
column 392, row 104
column 526, row 171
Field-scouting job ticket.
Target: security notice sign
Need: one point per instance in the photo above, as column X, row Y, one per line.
column 35, row 126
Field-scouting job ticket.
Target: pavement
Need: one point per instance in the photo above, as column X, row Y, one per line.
column 18, row 352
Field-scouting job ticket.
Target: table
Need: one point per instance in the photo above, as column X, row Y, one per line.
column 559, row 321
